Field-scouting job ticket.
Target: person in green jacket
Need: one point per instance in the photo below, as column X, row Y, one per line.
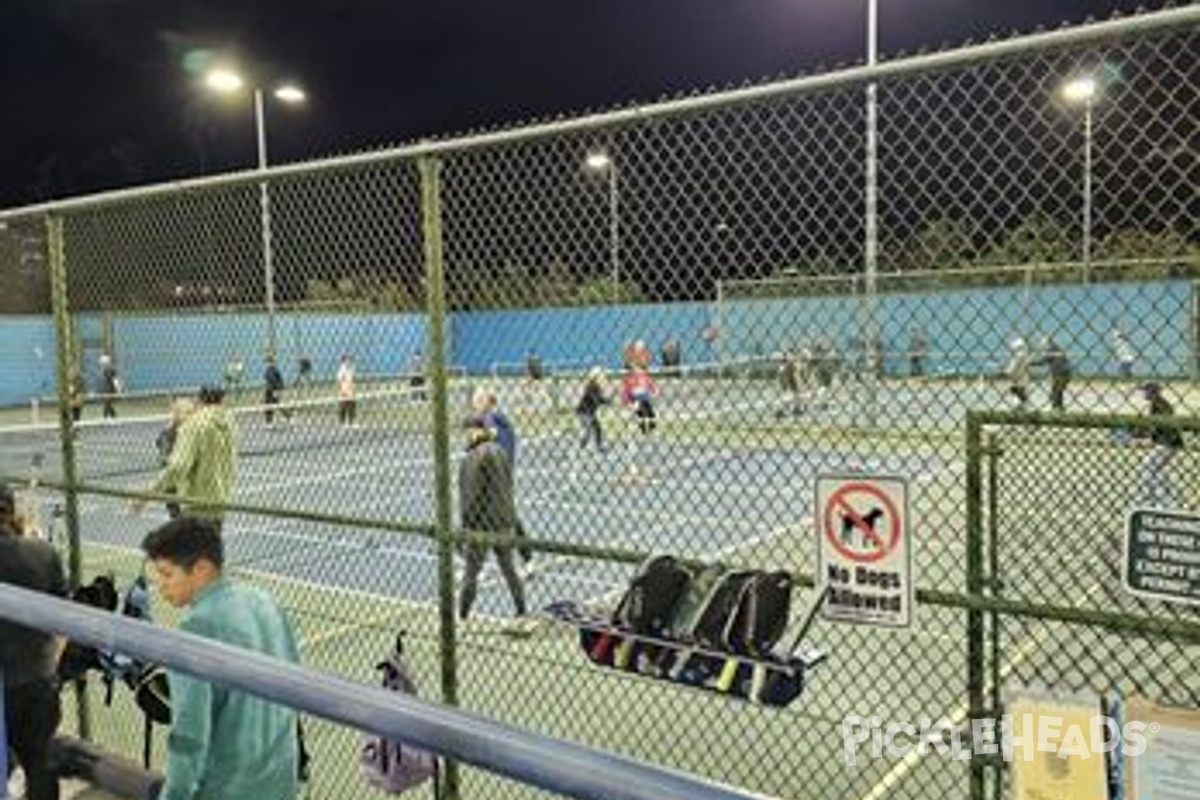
column 224, row 744
column 202, row 464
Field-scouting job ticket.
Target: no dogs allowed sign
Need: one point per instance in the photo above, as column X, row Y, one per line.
column 864, row 552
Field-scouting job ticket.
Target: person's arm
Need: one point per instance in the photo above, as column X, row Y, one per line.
column 190, row 737
column 179, row 464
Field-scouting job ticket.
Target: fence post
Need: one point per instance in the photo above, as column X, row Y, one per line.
column 435, row 290
column 976, row 655
column 64, row 366
column 995, row 585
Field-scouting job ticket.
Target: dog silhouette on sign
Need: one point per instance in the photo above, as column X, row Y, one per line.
column 869, row 519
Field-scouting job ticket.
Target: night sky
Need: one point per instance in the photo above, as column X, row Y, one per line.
column 96, row 94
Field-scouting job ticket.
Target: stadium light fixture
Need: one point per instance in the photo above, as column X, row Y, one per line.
column 226, row 81
column 601, row 161
column 1084, row 90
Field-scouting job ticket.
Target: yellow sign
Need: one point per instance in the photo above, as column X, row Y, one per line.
column 1053, row 756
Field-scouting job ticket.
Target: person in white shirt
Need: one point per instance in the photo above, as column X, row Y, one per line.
column 345, row 385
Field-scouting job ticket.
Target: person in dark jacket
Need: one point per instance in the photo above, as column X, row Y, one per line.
column 588, row 409
column 1055, row 360
column 273, row 388
column 29, row 657
column 486, row 505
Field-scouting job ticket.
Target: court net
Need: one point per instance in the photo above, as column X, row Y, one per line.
column 375, row 422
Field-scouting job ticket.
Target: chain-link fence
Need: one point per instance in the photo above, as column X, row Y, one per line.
column 1031, row 252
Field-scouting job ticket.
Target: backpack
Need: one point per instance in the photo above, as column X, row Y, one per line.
column 646, row 608
column 653, row 594
column 761, row 615
column 719, row 607
column 77, row 659
column 395, row 767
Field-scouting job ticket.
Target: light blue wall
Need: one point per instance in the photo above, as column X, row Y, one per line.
column 970, row 326
column 26, row 359
column 169, row 352
column 577, row 337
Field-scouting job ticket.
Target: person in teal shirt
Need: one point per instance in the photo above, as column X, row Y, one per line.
column 224, row 744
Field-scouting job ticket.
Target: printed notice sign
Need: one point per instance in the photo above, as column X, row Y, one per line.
column 864, row 553
column 1162, row 555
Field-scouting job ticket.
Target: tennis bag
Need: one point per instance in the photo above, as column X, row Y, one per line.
column 646, row 608
column 391, row 766
column 760, row 615
column 744, row 612
column 78, row 658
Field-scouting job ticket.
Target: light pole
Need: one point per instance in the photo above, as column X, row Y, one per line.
column 1083, row 91
column 228, row 82
column 871, row 231
column 600, row 161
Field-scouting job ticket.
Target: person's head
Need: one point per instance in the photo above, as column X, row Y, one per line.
column 105, row 359
column 596, row 375
column 484, row 399
column 186, row 555
column 1151, row 390
column 347, row 358
column 181, row 409
column 211, row 395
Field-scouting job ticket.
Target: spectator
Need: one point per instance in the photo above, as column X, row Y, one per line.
column 486, row 505
column 29, row 657
column 347, row 404
column 203, row 461
column 224, row 744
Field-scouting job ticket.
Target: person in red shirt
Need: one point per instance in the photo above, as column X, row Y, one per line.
column 639, row 390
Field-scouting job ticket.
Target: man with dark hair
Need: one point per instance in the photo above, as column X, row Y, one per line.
column 224, row 744
column 202, row 463
column 28, row 657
